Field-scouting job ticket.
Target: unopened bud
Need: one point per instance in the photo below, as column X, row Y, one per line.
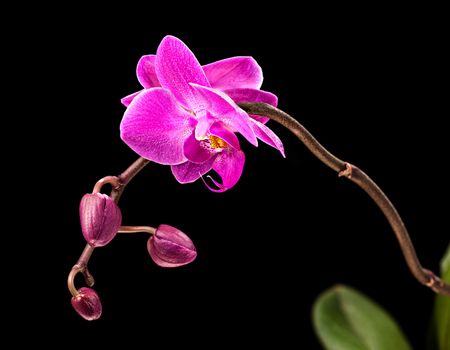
column 87, row 304
column 169, row 247
column 100, row 218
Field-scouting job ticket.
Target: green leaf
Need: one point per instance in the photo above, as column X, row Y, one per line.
column 445, row 262
column 442, row 308
column 345, row 319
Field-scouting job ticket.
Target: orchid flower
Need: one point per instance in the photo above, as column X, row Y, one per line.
column 239, row 77
column 187, row 115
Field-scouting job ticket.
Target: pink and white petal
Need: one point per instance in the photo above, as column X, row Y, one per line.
column 234, row 72
column 176, row 67
column 197, row 151
column 229, row 165
column 127, row 99
column 219, row 130
column 259, row 118
column 268, row 136
column 189, row 172
column 253, row 95
column 146, row 72
column 222, row 107
column 155, row 127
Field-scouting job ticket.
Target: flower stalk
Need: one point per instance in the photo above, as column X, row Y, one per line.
column 359, row 177
column 118, row 185
column 81, row 267
column 188, row 116
column 344, row 169
column 133, row 229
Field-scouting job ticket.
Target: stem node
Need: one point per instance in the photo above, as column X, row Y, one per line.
column 347, row 172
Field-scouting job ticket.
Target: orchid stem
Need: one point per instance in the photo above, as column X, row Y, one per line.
column 113, row 180
column 81, row 266
column 132, row 229
column 127, row 176
column 343, row 169
column 357, row 176
column 118, row 185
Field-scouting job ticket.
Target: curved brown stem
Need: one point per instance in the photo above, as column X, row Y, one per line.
column 81, row 266
column 118, row 185
column 112, row 180
column 357, row 176
column 127, row 176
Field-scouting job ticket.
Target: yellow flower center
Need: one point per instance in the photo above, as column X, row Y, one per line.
column 217, row 142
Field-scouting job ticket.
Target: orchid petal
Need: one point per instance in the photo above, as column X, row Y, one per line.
column 176, row 67
column 219, row 130
column 229, row 165
column 222, row 107
column 197, row 151
column 268, row 136
column 234, row 72
column 253, row 95
column 146, row 72
column 155, row 127
column 189, row 172
column 259, row 118
column 127, row 99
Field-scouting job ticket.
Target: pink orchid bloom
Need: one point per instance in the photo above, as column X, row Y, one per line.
column 187, row 115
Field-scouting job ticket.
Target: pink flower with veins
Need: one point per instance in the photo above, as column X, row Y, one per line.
column 187, row 114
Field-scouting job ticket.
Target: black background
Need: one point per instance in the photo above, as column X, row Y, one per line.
column 368, row 85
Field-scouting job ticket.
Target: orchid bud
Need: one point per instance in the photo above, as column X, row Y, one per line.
column 100, row 218
column 87, row 304
column 169, row 247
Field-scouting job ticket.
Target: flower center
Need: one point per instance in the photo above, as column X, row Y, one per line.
column 217, row 142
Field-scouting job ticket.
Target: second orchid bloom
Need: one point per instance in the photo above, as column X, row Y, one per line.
column 187, row 115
